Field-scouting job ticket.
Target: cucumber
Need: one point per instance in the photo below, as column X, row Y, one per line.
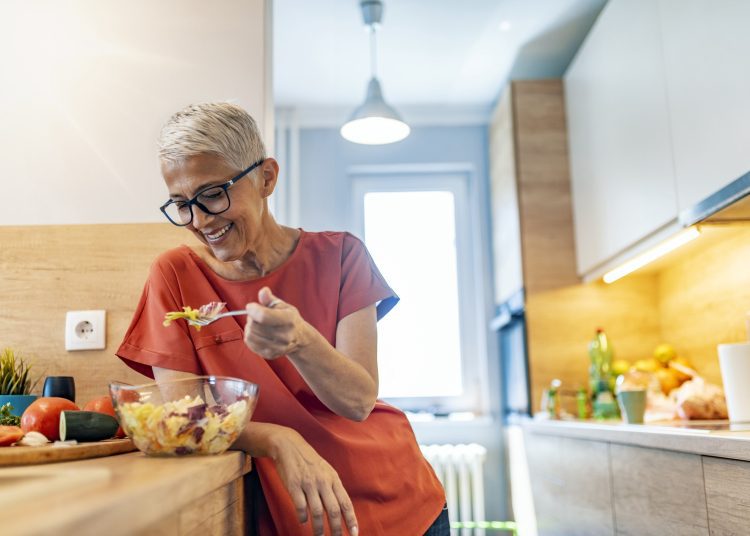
column 87, row 426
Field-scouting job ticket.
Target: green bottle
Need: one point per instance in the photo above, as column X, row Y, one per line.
column 601, row 380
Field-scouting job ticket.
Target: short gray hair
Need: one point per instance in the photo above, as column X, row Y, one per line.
column 219, row 128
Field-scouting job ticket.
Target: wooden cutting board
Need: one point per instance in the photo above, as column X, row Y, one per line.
column 50, row 454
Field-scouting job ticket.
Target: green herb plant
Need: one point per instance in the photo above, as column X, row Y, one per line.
column 14, row 374
column 6, row 419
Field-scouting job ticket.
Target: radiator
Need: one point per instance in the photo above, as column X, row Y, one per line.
column 459, row 468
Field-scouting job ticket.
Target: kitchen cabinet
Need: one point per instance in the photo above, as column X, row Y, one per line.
column 568, row 500
column 657, row 491
column 708, row 83
column 530, row 189
column 622, row 174
column 651, row 479
column 727, row 499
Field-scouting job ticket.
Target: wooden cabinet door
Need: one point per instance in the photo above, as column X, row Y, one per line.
column 706, row 55
column 658, row 492
column 727, row 495
column 618, row 129
column 570, row 483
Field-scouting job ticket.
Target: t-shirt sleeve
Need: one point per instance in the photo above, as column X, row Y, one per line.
column 362, row 284
column 148, row 343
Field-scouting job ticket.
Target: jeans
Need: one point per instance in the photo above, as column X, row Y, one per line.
column 441, row 526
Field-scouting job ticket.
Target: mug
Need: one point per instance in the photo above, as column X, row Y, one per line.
column 632, row 405
column 60, row 386
column 734, row 363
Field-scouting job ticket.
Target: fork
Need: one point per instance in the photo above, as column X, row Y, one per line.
column 202, row 321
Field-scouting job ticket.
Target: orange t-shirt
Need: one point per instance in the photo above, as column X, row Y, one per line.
column 327, row 277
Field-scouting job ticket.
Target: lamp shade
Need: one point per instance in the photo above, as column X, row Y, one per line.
column 375, row 122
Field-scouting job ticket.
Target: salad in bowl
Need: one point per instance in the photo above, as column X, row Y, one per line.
column 198, row 415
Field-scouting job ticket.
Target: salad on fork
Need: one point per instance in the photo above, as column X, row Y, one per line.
column 206, row 314
column 200, row 317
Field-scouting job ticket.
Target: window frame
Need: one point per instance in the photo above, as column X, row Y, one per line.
column 460, row 180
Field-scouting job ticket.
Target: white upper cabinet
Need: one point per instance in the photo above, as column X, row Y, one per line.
column 623, row 178
column 707, row 66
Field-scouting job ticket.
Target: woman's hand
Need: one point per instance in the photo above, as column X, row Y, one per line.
column 274, row 328
column 314, row 485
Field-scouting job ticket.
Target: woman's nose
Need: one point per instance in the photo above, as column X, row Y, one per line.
column 200, row 218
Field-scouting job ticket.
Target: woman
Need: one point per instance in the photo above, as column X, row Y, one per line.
column 326, row 451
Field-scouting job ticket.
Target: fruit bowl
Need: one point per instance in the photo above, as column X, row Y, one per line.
column 198, row 415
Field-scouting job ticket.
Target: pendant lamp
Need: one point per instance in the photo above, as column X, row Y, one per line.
column 375, row 122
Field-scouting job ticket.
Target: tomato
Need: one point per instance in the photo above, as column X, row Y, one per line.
column 9, row 435
column 43, row 416
column 103, row 404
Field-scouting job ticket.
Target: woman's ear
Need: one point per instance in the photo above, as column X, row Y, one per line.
column 270, row 174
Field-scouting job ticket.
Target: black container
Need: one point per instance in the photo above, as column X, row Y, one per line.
column 60, row 386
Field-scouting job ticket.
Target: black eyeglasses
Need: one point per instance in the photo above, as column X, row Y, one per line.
column 212, row 200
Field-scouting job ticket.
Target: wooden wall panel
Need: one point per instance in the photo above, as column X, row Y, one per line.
column 545, row 208
column 705, row 297
column 48, row 270
column 562, row 322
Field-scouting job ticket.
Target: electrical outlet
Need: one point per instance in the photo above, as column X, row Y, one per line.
column 85, row 330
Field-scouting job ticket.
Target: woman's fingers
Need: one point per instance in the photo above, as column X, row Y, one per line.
column 279, row 315
column 278, row 333
column 265, row 344
column 316, row 509
column 314, row 487
column 329, row 499
column 300, row 504
column 333, row 508
column 346, row 507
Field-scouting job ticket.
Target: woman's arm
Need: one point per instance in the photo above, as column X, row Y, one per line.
column 312, row 483
column 344, row 378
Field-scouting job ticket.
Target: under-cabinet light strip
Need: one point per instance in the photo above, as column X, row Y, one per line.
column 681, row 238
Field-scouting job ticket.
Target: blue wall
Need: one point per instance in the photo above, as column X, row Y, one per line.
column 325, row 156
column 325, row 205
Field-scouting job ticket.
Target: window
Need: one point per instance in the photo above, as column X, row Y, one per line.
column 418, row 230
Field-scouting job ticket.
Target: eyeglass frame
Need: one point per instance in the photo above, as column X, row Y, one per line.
column 194, row 200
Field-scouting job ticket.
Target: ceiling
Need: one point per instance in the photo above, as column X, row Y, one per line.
column 433, row 53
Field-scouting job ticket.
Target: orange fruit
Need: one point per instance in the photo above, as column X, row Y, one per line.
column 682, row 377
column 668, row 379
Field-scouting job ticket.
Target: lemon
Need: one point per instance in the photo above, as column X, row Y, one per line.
column 620, row 366
column 665, row 353
column 647, row 365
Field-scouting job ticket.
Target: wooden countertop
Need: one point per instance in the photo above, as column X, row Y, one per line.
column 114, row 495
column 722, row 444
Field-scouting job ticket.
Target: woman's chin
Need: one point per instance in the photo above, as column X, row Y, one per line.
column 221, row 252
column 220, row 247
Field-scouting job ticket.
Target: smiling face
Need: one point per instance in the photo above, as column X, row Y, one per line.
column 231, row 234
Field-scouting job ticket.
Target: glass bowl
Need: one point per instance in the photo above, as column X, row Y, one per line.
column 199, row 415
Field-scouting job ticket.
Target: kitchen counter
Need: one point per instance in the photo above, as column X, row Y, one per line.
column 126, row 494
column 612, row 478
column 693, row 437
